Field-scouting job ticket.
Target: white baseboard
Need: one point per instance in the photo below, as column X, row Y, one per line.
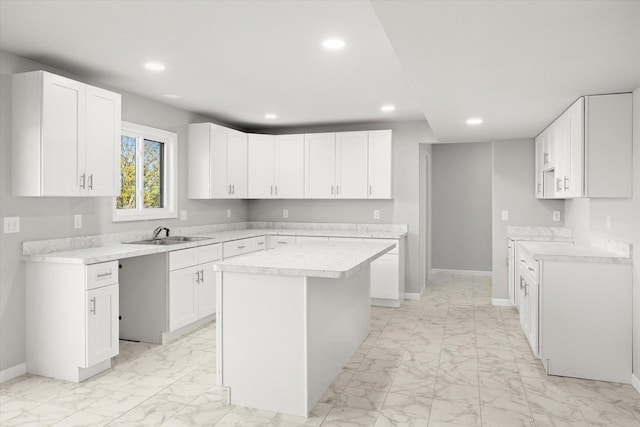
column 412, row 296
column 381, row 302
column 635, row 382
column 501, row 301
column 462, row 272
column 13, row 372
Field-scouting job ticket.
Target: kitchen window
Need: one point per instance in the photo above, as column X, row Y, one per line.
column 147, row 174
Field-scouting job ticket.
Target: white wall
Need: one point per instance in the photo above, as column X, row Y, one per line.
column 50, row 218
column 461, row 210
column 513, row 190
column 588, row 216
column 408, row 147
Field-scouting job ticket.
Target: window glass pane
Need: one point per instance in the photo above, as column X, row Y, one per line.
column 127, row 197
column 153, row 174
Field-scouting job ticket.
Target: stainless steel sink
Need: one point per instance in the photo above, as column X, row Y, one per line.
column 171, row 240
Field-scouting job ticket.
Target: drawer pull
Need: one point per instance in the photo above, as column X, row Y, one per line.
column 260, row 243
column 93, row 306
column 104, row 275
column 241, row 247
column 522, row 261
column 530, row 269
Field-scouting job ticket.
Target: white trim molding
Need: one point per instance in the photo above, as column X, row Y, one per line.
column 635, row 382
column 412, row 296
column 462, row 272
column 13, row 372
column 501, row 302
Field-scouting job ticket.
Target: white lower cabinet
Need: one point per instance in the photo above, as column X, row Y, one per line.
column 243, row 246
column 279, row 241
column 71, row 319
column 192, row 284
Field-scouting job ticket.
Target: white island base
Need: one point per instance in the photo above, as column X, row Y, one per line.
column 282, row 340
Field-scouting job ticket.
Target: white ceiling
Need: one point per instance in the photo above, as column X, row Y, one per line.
column 515, row 64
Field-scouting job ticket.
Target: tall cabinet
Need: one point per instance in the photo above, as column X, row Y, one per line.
column 65, row 137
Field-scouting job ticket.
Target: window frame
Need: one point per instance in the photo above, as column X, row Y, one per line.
column 170, row 170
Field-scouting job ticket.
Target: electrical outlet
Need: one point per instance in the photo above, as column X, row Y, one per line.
column 183, row 215
column 285, row 213
column 505, row 215
column 12, row 224
column 77, row 221
column 556, row 215
column 608, row 222
column 228, row 213
column 376, row 214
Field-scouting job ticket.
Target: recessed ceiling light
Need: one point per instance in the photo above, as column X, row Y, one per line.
column 171, row 96
column 154, row 66
column 333, row 44
column 270, row 116
column 474, row 121
column 388, row 108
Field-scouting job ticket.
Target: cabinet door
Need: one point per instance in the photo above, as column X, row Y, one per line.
column 557, row 148
column 511, row 280
column 219, row 187
column 102, row 142
column 289, row 167
column 198, row 162
column 384, row 277
column 237, row 163
column 260, row 164
column 534, row 298
column 539, row 160
column 102, row 329
column 380, row 164
column 575, row 162
column 524, row 304
column 206, row 290
column 320, row 165
column 183, row 307
column 351, row 165
column 63, row 135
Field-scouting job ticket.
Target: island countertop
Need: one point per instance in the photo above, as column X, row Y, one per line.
column 312, row 259
column 568, row 252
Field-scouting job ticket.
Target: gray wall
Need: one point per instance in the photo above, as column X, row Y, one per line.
column 461, row 206
column 513, row 190
column 50, row 218
column 588, row 216
column 408, row 147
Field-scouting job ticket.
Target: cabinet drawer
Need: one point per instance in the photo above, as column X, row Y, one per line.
column 105, row 273
column 528, row 265
column 183, row 258
column 238, row 247
column 259, row 243
column 395, row 250
column 278, row 241
column 209, row 253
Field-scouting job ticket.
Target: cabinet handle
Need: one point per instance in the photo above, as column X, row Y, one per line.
column 272, row 190
column 332, row 190
column 522, row 260
column 104, row 275
column 530, row 269
column 558, row 184
column 276, row 190
column 337, row 190
column 93, row 306
column 202, row 275
column 566, row 182
column 520, row 283
column 546, row 158
column 82, row 181
column 91, row 182
column 260, row 243
column 233, row 189
column 241, row 247
column 526, row 289
column 539, row 185
column 370, row 191
column 197, row 277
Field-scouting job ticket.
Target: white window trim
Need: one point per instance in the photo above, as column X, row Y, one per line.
column 170, row 139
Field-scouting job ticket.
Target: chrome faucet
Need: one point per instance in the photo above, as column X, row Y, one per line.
column 158, row 230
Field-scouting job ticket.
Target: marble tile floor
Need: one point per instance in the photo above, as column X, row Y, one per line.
column 450, row 359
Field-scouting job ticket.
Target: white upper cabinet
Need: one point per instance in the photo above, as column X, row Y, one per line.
column 590, row 148
column 380, row 165
column 261, row 166
column 65, row 137
column 289, row 167
column 276, row 166
column 351, row 165
column 217, row 162
column 319, row 165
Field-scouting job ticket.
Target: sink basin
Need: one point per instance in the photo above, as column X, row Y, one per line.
column 171, row 240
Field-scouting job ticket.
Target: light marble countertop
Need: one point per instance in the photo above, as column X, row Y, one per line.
column 311, row 259
column 568, row 252
column 114, row 251
column 540, row 233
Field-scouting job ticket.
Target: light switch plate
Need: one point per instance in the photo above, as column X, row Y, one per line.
column 12, row 224
column 228, row 213
column 285, row 213
column 376, row 214
column 77, row 221
column 505, row 215
column 556, row 215
column 183, row 215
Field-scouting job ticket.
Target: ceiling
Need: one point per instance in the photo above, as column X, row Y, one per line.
column 515, row 64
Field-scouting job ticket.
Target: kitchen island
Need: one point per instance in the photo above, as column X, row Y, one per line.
column 289, row 319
